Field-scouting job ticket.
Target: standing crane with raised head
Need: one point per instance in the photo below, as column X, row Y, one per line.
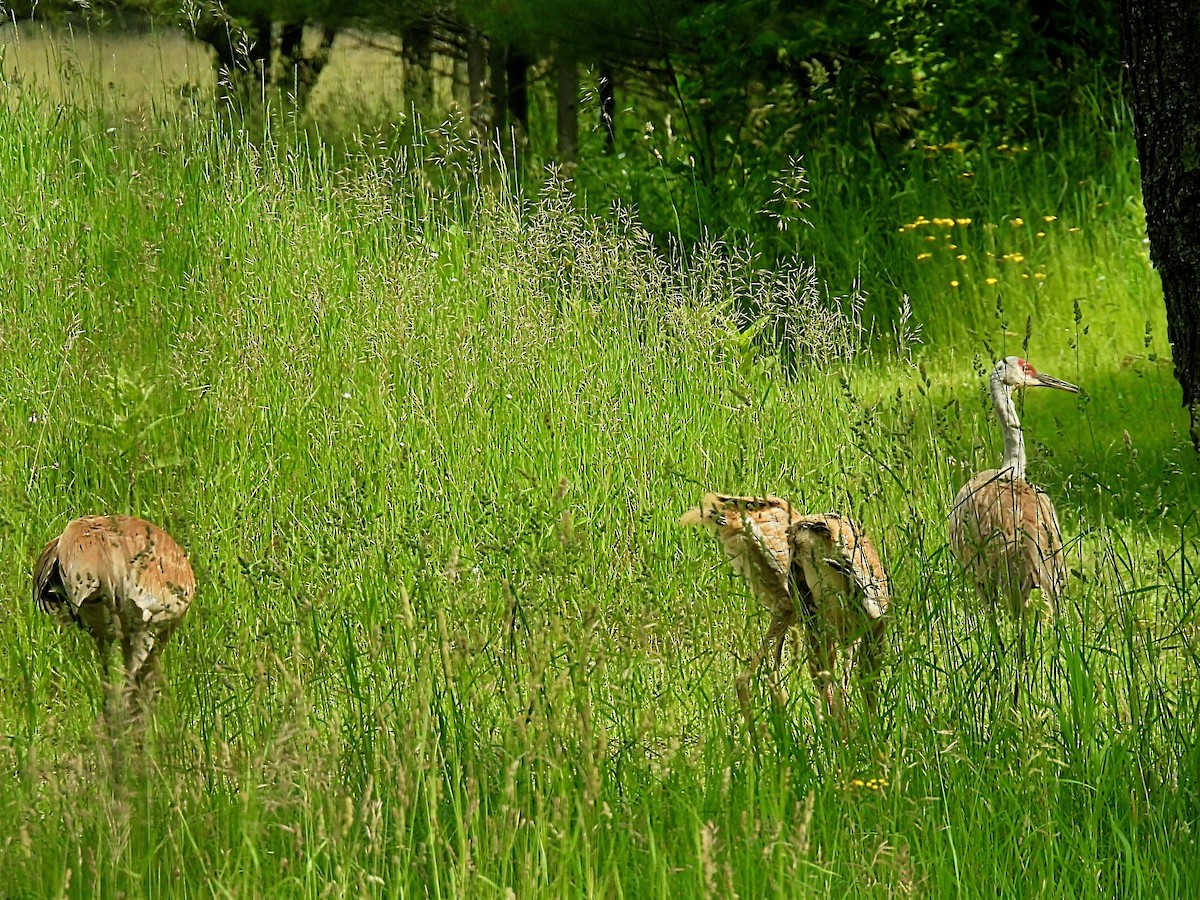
column 820, row 570
column 125, row 581
column 1004, row 530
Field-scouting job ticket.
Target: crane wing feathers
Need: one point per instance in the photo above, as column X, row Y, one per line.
column 753, row 533
column 847, row 550
column 115, row 556
column 1005, row 533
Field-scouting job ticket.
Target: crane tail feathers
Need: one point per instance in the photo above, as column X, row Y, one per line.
column 45, row 576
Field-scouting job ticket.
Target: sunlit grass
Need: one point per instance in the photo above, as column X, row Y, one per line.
column 427, row 442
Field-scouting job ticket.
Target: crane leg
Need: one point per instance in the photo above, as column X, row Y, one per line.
column 141, row 673
column 873, row 646
column 822, row 665
column 773, row 639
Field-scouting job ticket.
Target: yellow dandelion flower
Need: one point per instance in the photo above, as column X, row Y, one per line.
column 902, row 229
column 1049, row 218
column 967, row 175
column 856, row 782
column 1025, row 275
column 931, row 237
column 1072, row 230
column 961, row 257
column 1017, row 222
column 952, row 246
column 1041, row 234
column 954, row 284
column 962, row 221
column 921, row 256
column 1040, row 276
column 991, row 280
column 1002, row 147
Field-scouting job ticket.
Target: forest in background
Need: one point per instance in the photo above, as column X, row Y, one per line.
column 705, row 117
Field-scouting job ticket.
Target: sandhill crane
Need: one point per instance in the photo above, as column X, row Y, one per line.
column 1003, row 530
column 820, row 569
column 123, row 580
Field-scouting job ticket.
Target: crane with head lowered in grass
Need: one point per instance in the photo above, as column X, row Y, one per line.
column 1004, row 530
column 126, row 582
column 818, row 571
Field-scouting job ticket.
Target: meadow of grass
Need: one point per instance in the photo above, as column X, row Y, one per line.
column 427, row 440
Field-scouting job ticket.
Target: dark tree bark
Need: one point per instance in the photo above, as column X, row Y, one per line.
column 258, row 51
column 241, row 54
column 1161, row 39
column 477, row 81
column 291, row 40
column 300, row 71
column 418, row 67
column 498, row 87
column 516, row 73
column 608, row 107
column 567, row 102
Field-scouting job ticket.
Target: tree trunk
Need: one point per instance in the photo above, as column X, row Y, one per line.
column 516, row 73
column 300, row 71
column 476, row 81
column 258, row 52
column 243, row 55
column 418, row 69
column 1160, row 40
column 567, row 102
column 498, row 85
column 608, row 107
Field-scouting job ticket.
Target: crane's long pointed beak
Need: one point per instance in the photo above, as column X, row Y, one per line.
column 1051, row 382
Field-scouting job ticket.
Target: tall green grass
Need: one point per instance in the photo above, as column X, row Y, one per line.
column 426, row 441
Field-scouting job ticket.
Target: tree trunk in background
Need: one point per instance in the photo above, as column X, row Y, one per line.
column 477, row 81
column 567, row 102
column 498, row 84
column 239, row 53
column 301, row 72
column 1160, row 40
column 608, row 107
column 418, row 69
column 291, row 40
column 258, row 51
column 516, row 73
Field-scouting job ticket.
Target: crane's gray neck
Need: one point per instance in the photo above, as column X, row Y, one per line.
column 1014, row 441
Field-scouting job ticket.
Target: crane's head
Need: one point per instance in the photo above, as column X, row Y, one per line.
column 711, row 513
column 1018, row 373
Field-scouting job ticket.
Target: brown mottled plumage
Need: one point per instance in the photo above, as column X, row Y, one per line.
column 847, row 599
column 820, row 569
column 123, row 580
column 1005, row 533
column 1002, row 529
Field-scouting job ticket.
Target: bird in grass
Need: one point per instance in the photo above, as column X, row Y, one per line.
column 818, row 570
column 1003, row 530
column 125, row 581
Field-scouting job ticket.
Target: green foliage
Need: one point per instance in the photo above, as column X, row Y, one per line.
column 757, row 86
